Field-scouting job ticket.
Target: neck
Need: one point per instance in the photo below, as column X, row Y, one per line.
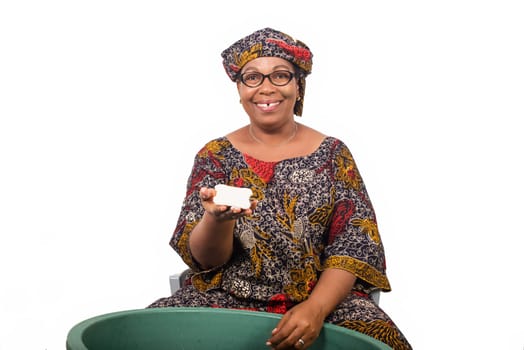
column 284, row 142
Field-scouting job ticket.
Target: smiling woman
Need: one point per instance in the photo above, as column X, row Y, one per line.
column 426, row 94
column 308, row 245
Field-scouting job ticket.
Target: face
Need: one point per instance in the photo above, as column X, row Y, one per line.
column 268, row 102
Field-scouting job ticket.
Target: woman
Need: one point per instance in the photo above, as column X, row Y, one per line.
column 308, row 247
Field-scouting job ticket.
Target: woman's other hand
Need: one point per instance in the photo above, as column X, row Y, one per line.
column 298, row 328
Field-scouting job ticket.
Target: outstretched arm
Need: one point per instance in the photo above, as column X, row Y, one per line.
column 211, row 241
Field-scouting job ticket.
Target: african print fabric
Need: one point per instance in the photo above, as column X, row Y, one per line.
column 313, row 213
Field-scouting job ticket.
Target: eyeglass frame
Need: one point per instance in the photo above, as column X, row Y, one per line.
column 268, row 76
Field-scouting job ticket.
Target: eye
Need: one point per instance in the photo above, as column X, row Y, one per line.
column 251, row 77
column 281, row 75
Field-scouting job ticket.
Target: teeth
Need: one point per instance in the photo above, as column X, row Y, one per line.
column 267, row 104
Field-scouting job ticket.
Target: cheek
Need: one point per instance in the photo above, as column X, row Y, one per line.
column 293, row 90
column 243, row 92
column 291, row 93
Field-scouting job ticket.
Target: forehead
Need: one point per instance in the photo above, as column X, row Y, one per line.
column 268, row 64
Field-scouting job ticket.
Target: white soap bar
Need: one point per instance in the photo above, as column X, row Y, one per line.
column 237, row 197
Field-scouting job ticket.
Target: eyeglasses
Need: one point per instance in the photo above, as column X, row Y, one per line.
column 278, row 78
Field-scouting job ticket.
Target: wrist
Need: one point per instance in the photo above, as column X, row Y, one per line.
column 322, row 309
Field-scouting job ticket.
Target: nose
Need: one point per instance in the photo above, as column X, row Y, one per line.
column 266, row 86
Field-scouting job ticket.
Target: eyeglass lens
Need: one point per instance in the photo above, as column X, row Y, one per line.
column 278, row 78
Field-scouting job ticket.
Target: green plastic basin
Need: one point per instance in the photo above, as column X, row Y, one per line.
column 197, row 329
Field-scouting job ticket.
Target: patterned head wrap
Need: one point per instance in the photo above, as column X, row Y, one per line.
column 268, row 42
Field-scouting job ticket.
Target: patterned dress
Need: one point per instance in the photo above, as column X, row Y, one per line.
column 313, row 213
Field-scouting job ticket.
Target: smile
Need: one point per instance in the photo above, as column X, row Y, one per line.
column 268, row 105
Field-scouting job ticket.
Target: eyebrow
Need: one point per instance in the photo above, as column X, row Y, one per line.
column 275, row 68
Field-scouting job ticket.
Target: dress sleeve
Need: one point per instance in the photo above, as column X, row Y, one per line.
column 353, row 241
column 207, row 171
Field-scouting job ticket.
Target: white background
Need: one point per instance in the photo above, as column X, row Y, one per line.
column 103, row 105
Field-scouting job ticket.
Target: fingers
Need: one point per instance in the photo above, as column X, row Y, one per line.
column 291, row 342
column 222, row 212
column 207, row 194
column 289, row 338
column 300, row 344
column 295, row 330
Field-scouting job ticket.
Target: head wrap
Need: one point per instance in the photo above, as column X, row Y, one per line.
column 268, row 42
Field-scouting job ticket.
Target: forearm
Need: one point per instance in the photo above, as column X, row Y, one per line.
column 333, row 286
column 211, row 241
